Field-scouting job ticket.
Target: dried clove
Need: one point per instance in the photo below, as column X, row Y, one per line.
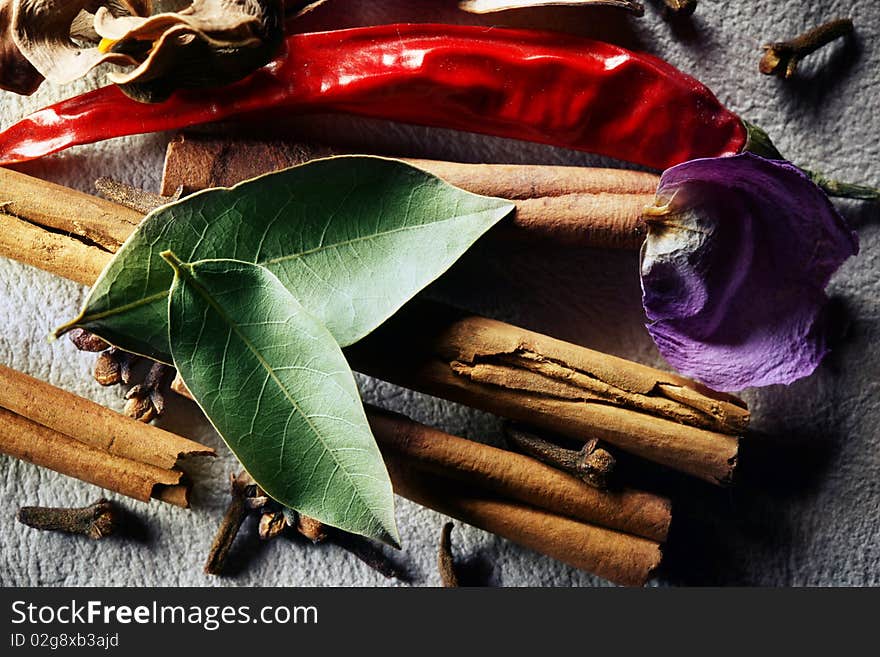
column 86, row 341
column 592, row 464
column 247, row 496
column 782, row 58
column 146, row 400
column 314, row 530
column 366, row 551
column 362, row 548
column 680, row 7
column 96, row 521
column 272, row 524
column 113, row 366
column 242, row 487
column 445, row 562
column 179, row 387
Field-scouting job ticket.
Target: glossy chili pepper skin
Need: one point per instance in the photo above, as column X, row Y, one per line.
column 536, row 86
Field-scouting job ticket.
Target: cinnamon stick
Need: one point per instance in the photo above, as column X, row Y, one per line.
column 586, row 394
column 618, row 557
column 94, row 220
column 518, row 477
column 552, row 385
column 93, row 424
column 513, row 475
column 570, row 205
column 32, row 442
column 56, row 253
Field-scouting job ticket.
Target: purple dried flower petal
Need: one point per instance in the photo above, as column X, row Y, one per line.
column 739, row 252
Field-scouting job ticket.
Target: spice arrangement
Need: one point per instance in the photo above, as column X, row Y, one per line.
column 266, row 271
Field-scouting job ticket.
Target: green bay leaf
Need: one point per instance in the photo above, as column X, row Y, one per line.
column 276, row 386
column 353, row 237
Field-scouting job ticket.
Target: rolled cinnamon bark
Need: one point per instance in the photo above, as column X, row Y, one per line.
column 60, row 208
column 32, row 442
column 550, row 384
column 618, row 557
column 518, row 477
column 508, row 473
column 571, row 205
column 53, row 252
column 488, row 365
column 93, row 424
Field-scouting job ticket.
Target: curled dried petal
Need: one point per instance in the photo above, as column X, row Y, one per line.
column 211, row 42
column 734, row 269
column 45, row 32
column 17, row 74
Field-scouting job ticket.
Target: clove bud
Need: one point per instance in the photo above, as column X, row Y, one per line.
column 314, row 530
column 592, row 464
column 96, row 521
column 782, row 58
column 272, row 523
column 680, row 7
column 85, row 341
column 113, row 366
column 146, row 400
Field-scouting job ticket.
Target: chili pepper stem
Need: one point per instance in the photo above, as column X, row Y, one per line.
column 782, row 58
column 844, row 189
column 759, row 143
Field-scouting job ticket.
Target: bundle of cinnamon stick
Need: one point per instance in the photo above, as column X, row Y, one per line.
column 56, row 429
column 523, row 375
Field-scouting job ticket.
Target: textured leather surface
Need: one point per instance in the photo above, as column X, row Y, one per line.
column 806, row 509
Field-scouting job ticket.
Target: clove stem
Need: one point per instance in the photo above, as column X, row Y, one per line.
column 146, row 400
column 364, row 550
column 782, row 58
column 96, row 521
column 445, row 562
column 591, row 464
column 317, row 532
column 272, row 524
column 113, row 366
column 242, row 487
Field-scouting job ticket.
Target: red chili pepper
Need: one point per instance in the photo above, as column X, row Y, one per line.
column 549, row 88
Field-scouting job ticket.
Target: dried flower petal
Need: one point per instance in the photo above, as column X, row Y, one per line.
column 17, row 74
column 47, row 32
column 734, row 270
column 211, row 42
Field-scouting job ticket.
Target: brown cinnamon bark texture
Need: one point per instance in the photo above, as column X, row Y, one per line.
column 570, row 205
column 54, row 252
column 513, row 475
column 580, row 393
column 618, row 557
column 29, row 441
column 518, row 477
column 93, row 424
column 94, row 220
